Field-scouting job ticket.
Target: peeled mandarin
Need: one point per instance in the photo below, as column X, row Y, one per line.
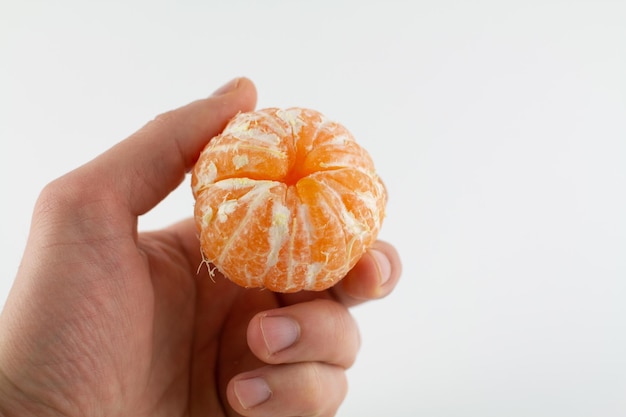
column 286, row 200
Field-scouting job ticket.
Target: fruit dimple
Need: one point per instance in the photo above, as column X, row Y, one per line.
column 286, row 200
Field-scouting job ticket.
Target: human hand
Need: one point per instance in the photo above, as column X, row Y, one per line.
column 105, row 321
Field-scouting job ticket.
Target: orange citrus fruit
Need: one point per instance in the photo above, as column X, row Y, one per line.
column 286, row 200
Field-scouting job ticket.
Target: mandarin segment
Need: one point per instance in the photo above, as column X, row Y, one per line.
column 286, row 200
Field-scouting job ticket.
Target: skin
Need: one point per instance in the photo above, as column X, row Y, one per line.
column 105, row 321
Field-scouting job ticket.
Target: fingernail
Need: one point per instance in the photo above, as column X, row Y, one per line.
column 383, row 265
column 226, row 88
column 279, row 332
column 252, row 392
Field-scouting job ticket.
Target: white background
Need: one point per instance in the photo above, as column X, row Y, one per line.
column 499, row 128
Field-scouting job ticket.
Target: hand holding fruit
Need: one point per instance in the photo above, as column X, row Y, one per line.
column 103, row 320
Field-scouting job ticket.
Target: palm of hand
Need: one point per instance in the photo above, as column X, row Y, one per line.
column 200, row 326
column 153, row 336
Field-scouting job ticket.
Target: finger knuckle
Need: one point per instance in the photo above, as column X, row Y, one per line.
column 325, row 389
column 165, row 119
column 313, row 397
column 346, row 336
column 57, row 195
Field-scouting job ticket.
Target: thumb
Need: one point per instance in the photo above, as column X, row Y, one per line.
column 143, row 169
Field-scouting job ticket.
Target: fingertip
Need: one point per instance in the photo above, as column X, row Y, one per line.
column 242, row 87
column 226, row 88
column 389, row 263
column 374, row 276
column 249, row 392
column 248, row 92
column 383, row 266
column 304, row 388
column 246, row 84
